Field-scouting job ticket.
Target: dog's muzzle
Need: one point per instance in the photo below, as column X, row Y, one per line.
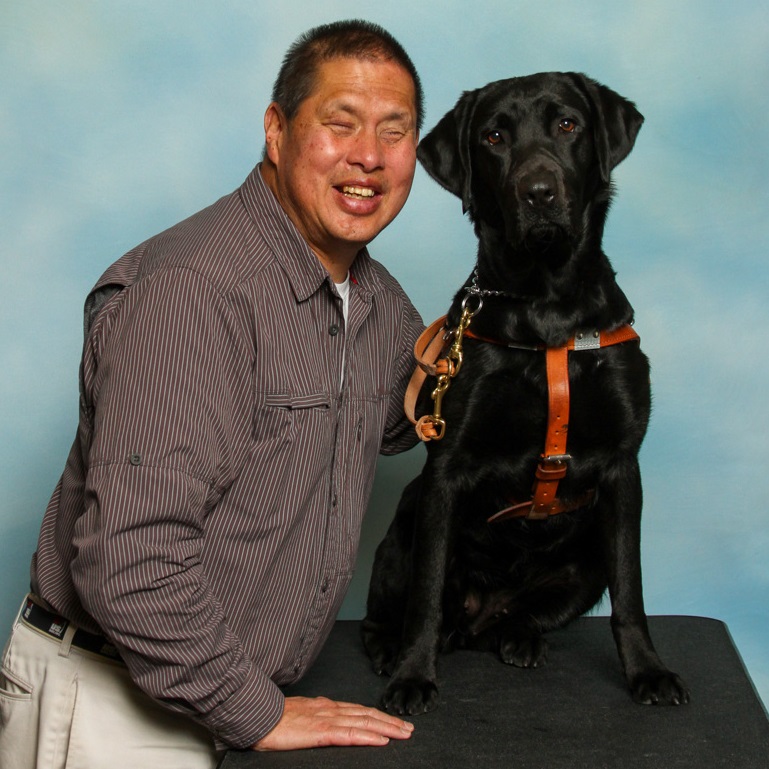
column 538, row 190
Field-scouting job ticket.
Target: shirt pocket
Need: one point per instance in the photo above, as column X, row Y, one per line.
column 293, row 401
column 282, row 417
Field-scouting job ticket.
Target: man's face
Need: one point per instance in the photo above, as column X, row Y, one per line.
column 345, row 162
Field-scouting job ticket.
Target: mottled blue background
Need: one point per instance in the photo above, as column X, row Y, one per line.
column 120, row 117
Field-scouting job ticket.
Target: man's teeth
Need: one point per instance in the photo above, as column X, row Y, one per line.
column 359, row 192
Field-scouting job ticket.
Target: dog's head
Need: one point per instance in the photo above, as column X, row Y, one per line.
column 531, row 157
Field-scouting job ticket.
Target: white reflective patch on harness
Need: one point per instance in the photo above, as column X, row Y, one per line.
column 588, row 340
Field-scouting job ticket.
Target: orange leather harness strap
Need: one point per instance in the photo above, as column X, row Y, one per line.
column 553, row 461
column 591, row 340
column 552, row 465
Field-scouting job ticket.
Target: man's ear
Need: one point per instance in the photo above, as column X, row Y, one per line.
column 275, row 126
column 445, row 151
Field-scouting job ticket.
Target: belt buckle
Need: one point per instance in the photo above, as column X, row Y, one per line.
column 552, row 467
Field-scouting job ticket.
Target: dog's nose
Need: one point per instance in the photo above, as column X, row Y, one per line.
column 538, row 189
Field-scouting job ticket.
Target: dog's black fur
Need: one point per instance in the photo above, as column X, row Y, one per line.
column 531, row 159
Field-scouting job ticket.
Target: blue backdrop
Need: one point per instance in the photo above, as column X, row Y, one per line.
column 120, row 117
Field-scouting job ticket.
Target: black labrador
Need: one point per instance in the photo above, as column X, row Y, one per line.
column 531, row 159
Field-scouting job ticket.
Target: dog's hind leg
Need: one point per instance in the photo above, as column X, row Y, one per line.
column 548, row 603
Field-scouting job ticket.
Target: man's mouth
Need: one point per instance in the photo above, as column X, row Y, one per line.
column 357, row 192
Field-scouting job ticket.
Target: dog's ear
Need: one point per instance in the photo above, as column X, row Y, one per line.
column 617, row 124
column 445, row 151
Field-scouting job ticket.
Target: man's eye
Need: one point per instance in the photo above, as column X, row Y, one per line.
column 340, row 126
column 494, row 137
column 567, row 125
column 392, row 135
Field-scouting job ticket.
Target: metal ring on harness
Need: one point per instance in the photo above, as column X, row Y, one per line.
column 476, row 294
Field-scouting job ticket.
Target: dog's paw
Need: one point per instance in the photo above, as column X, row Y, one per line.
column 523, row 652
column 381, row 649
column 383, row 666
column 383, row 658
column 659, row 688
column 410, row 697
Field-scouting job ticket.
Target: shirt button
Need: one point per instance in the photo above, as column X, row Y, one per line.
column 333, row 329
column 135, row 459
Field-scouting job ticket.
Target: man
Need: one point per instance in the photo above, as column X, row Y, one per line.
column 240, row 374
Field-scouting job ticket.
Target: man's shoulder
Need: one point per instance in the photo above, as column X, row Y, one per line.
column 219, row 243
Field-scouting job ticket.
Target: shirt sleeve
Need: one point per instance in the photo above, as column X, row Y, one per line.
column 399, row 434
column 172, row 414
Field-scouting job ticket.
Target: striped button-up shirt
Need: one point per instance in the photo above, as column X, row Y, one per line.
column 208, row 516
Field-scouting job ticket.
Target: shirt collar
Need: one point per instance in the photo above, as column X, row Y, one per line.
column 304, row 271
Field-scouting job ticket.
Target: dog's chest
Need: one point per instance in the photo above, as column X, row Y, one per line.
column 497, row 407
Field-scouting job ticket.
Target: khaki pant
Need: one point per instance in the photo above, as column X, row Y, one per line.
column 63, row 708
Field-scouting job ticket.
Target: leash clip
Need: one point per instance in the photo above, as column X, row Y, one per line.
column 430, row 428
column 433, row 427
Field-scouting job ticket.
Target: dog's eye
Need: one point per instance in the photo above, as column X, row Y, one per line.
column 494, row 137
column 567, row 125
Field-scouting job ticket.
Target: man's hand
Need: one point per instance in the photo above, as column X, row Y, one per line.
column 317, row 722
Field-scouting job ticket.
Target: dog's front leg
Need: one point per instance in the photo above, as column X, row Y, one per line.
column 620, row 502
column 412, row 688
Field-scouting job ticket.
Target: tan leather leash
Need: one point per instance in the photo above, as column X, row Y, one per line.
column 427, row 353
column 554, row 459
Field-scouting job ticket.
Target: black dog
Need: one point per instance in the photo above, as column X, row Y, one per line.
column 531, row 159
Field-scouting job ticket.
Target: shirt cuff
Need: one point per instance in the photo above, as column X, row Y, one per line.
column 248, row 714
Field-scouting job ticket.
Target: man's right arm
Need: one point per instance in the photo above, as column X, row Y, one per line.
column 172, row 411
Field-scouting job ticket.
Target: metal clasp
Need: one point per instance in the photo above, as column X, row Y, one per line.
column 552, row 467
column 555, row 459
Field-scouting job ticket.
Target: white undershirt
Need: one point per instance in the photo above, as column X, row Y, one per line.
column 344, row 291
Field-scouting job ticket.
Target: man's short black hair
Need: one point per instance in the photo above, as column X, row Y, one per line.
column 353, row 39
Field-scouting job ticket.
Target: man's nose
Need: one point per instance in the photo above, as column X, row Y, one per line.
column 366, row 150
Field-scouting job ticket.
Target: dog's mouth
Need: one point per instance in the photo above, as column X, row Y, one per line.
column 544, row 232
column 544, row 236
column 549, row 243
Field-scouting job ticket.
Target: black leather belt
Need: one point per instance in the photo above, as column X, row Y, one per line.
column 36, row 617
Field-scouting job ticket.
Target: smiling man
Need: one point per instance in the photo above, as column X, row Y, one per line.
column 342, row 166
column 241, row 372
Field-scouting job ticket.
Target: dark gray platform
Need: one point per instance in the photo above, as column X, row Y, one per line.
column 575, row 713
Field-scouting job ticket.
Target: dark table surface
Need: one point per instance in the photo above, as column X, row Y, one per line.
column 574, row 713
